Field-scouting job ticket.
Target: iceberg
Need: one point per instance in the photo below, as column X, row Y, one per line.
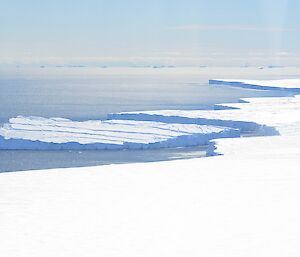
column 57, row 133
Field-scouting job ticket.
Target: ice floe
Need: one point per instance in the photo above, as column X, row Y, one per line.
column 57, row 133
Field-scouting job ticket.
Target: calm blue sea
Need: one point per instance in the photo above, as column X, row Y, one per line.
column 83, row 93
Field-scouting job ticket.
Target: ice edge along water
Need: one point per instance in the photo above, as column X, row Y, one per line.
column 251, row 115
column 287, row 85
column 149, row 129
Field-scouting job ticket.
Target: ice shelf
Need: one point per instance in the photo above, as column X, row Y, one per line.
column 57, row 133
column 161, row 128
column 287, row 85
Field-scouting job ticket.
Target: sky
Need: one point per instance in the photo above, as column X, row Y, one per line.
column 138, row 32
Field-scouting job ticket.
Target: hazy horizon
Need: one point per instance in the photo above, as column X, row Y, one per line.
column 159, row 32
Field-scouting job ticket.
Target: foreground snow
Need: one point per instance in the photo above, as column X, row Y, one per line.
column 213, row 206
column 243, row 203
column 58, row 133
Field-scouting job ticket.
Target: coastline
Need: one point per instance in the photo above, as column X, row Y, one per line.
column 243, row 201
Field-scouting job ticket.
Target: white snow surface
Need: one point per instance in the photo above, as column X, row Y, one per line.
column 58, row 133
column 243, row 203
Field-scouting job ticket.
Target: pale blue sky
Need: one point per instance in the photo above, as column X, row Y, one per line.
column 180, row 32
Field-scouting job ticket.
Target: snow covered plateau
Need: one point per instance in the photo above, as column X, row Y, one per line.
column 242, row 202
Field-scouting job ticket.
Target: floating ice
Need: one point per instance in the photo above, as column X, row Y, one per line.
column 58, row 133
